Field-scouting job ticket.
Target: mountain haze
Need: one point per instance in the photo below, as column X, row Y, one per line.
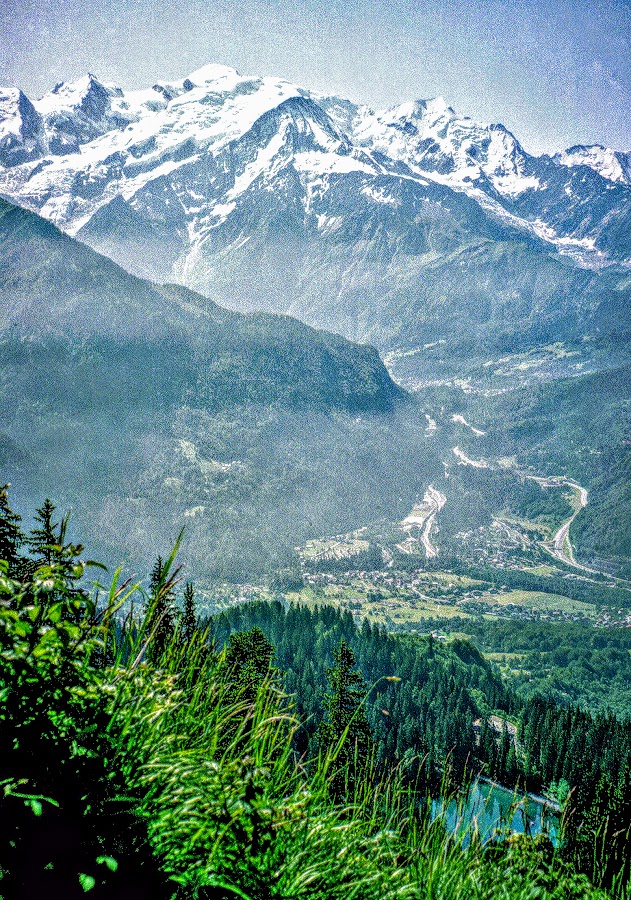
column 147, row 408
column 399, row 227
column 495, row 284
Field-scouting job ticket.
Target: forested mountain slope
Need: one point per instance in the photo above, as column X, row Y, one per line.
column 147, row 408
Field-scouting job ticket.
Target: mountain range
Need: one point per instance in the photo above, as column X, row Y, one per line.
column 495, row 285
column 400, row 227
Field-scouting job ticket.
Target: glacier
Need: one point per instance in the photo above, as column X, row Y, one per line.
column 392, row 226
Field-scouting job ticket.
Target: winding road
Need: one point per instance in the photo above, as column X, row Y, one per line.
column 423, row 516
column 561, row 546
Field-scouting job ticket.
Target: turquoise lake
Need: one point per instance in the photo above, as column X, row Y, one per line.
column 489, row 807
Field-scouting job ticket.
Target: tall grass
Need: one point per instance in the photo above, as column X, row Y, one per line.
column 231, row 812
column 206, row 765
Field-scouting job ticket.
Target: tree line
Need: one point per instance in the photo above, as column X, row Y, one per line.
column 426, row 708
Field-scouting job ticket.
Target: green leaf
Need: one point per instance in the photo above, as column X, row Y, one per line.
column 54, row 613
column 109, row 861
column 86, row 881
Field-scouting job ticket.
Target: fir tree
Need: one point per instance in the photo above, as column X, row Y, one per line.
column 11, row 535
column 155, row 578
column 161, row 607
column 249, row 660
column 45, row 541
column 346, row 725
column 188, row 622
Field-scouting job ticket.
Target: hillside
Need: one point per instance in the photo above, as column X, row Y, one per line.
column 171, row 758
column 58, row 292
column 148, row 408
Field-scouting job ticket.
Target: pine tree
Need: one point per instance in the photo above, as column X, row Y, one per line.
column 503, row 750
column 188, row 623
column 11, row 535
column 156, row 576
column 247, row 669
column 161, row 607
column 511, row 765
column 346, row 725
column 249, row 661
column 45, row 541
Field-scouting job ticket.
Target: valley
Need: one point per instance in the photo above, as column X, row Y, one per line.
column 369, row 578
column 257, row 434
column 493, row 301
column 315, row 459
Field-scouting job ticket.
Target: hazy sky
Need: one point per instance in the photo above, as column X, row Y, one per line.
column 556, row 73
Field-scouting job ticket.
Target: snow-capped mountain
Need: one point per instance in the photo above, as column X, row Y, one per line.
column 577, row 200
column 93, row 142
column 390, row 226
column 611, row 164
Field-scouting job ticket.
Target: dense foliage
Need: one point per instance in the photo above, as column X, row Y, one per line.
column 569, row 662
column 438, row 716
column 148, row 764
column 420, row 706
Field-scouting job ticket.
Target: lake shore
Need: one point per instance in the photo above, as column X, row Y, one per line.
column 538, row 798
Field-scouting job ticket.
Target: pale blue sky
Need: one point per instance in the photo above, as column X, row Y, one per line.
column 556, row 73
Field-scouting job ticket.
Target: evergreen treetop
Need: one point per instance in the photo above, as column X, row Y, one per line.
column 46, row 540
column 249, row 658
column 11, row 535
column 346, row 729
column 161, row 612
column 188, row 623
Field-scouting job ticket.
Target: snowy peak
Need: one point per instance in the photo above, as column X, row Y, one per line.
column 428, row 112
column 548, row 198
column 431, row 138
column 20, row 128
column 610, row 164
column 87, row 95
column 215, row 132
column 214, row 74
column 505, row 163
column 189, row 155
column 77, row 113
column 17, row 113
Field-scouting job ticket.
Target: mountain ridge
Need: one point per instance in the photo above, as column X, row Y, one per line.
column 213, row 177
column 93, row 298
column 145, row 408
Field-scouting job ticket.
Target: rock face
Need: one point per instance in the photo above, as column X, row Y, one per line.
column 398, row 227
column 21, row 136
